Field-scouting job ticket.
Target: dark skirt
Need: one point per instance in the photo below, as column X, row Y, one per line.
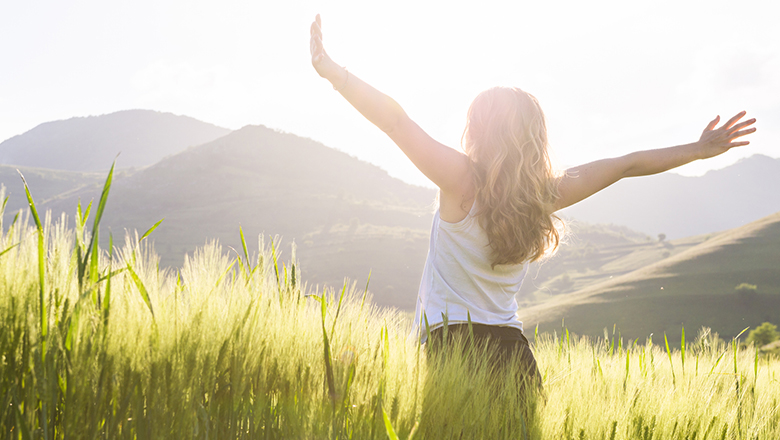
column 509, row 349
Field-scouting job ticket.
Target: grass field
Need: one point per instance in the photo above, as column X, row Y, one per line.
column 103, row 344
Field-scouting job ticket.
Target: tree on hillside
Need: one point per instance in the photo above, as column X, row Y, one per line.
column 764, row 334
column 746, row 290
column 661, row 237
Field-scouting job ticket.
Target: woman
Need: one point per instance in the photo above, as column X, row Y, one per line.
column 497, row 201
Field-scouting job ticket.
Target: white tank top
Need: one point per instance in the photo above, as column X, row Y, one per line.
column 458, row 281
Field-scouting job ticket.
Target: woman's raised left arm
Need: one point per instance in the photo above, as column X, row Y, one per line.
column 585, row 180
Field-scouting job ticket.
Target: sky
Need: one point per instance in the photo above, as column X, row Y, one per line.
column 611, row 76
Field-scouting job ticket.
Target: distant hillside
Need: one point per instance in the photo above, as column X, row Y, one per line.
column 694, row 288
column 90, row 143
column 346, row 216
column 684, row 206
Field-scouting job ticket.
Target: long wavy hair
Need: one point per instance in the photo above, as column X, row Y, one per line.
column 516, row 188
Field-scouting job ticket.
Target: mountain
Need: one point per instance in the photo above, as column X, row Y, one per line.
column 693, row 288
column 347, row 217
column 90, row 143
column 679, row 206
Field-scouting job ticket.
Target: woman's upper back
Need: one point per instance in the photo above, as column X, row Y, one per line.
column 460, row 282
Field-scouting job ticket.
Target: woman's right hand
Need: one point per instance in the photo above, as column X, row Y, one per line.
column 322, row 63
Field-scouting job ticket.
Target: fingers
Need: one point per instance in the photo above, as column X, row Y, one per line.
column 712, row 123
column 731, row 128
column 734, row 120
column 315, row 44
column 721, row 139
column 736, row 131
column 316, row 26
column 741, row 125
column 738, row 134
column 315, row 30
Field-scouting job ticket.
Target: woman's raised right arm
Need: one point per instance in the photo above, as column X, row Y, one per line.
column 446, row 167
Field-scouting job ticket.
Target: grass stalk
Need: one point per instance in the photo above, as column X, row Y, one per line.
column 141, row 287
column 92, row 249
column 389, row 426
column 44, row 321
column 42, row 393
column 682, row 350
column 329, row 377
column 669, row 353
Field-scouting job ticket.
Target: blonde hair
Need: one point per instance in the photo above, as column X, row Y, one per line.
column 516, row 189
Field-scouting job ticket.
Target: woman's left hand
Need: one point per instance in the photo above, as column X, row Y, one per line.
column 715, row 141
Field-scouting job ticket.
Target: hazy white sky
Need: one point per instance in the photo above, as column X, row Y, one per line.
column 612, row 76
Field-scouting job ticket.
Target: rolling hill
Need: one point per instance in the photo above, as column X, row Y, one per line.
column 90, row 143
column 693, row 288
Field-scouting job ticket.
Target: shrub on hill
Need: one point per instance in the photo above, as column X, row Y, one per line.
column 764, row 334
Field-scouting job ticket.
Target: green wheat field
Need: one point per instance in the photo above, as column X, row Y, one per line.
column 101, row 343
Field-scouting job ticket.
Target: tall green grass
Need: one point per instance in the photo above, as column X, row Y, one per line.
column 101, row 343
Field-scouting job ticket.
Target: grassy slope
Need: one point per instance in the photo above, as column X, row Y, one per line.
column 581, row 265
column 693, row 288
column 587, row 255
